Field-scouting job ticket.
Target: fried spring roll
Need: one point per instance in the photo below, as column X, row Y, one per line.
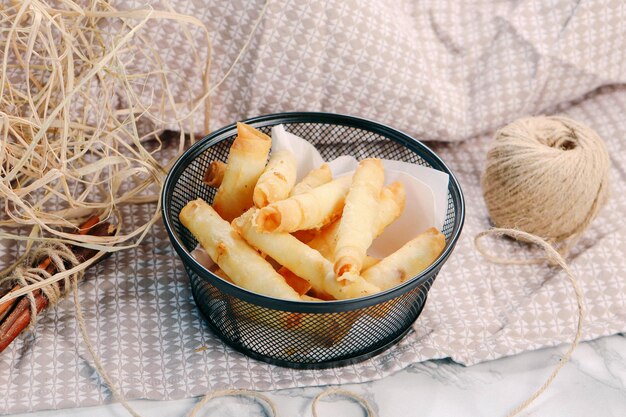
column 220, row 273
column 325, row 240
column 316, row 177
column 306, row 297
column 357, row 226
column 246, row 161
column 214, row 175
column 300, row 259
column 241, row 263
column 390, row 206
column 310, row 210
column 301, row 285
column 203, row 258
column 305, row 235
column 277, row 179
column 408, row 261
column 369, row 261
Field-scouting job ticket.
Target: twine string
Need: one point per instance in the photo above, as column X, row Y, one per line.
column 548, row 176
column 342, row 393
column 234, row 393
column 553, row 257
column 60, row 257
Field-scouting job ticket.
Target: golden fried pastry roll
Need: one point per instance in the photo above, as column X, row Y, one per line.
column 310, row 210
column 306, row 297
column 320, row 295
column 305, row 235
column 390, row 206
column 220, row 273
column 214, row 174
column 277, row 179
column 316, row 177
column 305, row 262
column 369, row 261
column 357, row 226
column 246, row 161
column 408, row 261
column 239, row 261
column 301, row 285
column 325, row 240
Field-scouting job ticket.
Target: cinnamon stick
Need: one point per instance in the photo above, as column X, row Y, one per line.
column 6, row 308
column 4, row 290
column 19, row 318
column 83, row 229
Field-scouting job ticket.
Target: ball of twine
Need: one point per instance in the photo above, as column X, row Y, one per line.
column 547, row 176
column 545, row 180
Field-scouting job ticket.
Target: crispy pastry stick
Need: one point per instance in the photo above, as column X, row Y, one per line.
column 408, row 261
column 370, row 261
column 301, row 285
column 246, row 161
column 357, row 226
column 214, row 175
column 277, row 179
column 241, row 263
column 300, row 259
column 316, row 177
column 390, row 206
column 310, row 210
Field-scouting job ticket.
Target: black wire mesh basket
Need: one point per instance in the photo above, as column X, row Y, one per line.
column 306, row 334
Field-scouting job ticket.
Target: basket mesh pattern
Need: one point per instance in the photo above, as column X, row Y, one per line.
column 289, row 334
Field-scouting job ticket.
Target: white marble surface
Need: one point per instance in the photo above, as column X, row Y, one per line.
column 593, row 383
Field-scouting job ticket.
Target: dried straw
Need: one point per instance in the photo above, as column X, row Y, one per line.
column 85, row 94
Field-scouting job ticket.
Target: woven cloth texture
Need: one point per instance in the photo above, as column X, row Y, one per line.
column 447, row 73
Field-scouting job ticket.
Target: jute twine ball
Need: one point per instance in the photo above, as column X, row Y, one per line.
column 547, row 176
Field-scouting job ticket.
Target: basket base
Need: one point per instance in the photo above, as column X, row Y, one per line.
column 313, row 365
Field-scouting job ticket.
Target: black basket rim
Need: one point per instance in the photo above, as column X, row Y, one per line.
column 311, row 117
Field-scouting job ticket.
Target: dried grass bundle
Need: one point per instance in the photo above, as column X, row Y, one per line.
column 78, row 86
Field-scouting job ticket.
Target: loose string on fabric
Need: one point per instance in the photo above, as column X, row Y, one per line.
column 552, row 256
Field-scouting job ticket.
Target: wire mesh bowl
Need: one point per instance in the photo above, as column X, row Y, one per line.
column 306, row 334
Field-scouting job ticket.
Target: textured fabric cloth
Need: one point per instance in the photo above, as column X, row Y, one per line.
column 439, row 69
column 435, row 69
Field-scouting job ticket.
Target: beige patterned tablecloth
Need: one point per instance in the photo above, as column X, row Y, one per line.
column 435, row 69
